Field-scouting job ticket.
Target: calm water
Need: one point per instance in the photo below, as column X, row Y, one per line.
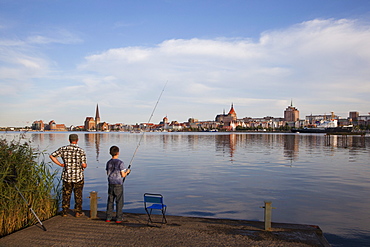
column 308, row 178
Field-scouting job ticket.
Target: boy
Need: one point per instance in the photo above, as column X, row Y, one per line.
column 116, row 172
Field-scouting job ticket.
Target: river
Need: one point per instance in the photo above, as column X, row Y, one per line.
column 309, row 178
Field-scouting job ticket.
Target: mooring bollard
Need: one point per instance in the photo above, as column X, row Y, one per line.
column 93, row 204
column 268, row 214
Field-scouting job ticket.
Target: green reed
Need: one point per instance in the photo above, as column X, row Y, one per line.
column 25, row 167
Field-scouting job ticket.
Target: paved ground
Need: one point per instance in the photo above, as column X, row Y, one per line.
column 179, row 231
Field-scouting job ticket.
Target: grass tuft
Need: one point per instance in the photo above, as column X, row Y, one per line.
column 24, row 167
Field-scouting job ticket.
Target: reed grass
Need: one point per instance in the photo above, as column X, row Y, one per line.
column 23, row 166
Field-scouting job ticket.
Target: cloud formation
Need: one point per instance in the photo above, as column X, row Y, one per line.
column 321, row 64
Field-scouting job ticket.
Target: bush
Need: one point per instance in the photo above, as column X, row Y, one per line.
column 20, row 167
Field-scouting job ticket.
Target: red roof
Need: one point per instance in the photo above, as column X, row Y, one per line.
column 232, row 111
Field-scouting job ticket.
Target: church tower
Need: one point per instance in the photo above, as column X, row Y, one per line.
column 97, row 116
column 232, row 113
column 227, row 118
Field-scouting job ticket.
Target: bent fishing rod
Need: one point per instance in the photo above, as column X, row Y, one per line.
column 28, row 204
column 30, row 208
column 150, row 118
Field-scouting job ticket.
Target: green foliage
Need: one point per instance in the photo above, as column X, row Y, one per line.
column 24, row 168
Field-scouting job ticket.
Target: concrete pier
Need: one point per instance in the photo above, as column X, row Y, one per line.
column 179, row 231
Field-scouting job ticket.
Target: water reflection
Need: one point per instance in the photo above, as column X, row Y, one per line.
column 345, row 141
column 309, row 178
column 291, row 147
column 92, row 140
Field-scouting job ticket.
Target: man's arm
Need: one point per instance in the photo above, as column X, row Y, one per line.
column 56, row 161
column 84, row 164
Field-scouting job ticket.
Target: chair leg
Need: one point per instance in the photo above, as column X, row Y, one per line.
column 164, row 220
column 164, row 216
column 149, row 213
column 150, row 218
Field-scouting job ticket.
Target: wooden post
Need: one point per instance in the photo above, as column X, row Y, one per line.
column 268, row 214
column 93, row 204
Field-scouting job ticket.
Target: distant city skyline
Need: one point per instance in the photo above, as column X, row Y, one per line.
column 95, row 119
column 119, row 54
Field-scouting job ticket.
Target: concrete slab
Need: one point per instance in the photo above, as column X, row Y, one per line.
column 179, row 231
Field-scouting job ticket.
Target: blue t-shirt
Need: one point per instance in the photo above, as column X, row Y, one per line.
column 114, row 168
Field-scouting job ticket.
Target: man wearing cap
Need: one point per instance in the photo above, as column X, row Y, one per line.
column 74, row 163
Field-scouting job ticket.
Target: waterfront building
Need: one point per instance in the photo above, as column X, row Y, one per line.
column 356, row 119
column 267, row 122
column 38, row 125
column 313, row 120
column 94, row 124
column 89, row 123
column 103, row 126
column 175, row 126
column 362, row 119
column 53, row 126
column 353, row 115
column 291, row 114
column 228, row 120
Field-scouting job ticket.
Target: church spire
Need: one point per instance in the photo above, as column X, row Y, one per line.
column 232, row 112
column 97, row 115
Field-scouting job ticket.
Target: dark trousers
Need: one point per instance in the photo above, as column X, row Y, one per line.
column 77, row 188
column 115, row 195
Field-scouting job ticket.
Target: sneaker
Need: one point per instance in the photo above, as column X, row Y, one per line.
column 80, row 214
column 107, row 220
column 118, row 221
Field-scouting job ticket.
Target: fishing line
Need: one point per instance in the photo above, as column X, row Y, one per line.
column 150, row 118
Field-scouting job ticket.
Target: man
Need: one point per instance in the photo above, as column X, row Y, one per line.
column 74, row 163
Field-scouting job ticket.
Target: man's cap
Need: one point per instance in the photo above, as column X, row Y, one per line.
column 73, row 137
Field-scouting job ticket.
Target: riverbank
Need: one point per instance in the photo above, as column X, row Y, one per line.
column 179, row 231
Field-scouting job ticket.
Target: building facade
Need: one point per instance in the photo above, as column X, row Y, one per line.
column 291, row 114
column 228, row 121
column 94, row 123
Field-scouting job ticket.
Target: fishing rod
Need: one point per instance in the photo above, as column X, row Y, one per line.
column 30, row 207
column 150, row 118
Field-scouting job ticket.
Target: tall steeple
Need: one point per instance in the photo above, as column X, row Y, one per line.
column 97, row 115
column 232, row 112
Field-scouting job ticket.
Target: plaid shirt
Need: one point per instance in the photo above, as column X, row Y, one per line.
column 73, row 158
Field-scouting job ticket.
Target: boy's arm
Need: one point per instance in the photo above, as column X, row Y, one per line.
column 125, row 172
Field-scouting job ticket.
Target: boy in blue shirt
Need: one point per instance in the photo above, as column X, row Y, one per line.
column 116, row 172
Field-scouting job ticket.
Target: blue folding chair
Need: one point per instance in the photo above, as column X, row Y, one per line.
column 154, row 201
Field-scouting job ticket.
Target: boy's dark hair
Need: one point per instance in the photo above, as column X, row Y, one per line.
column 114, row 150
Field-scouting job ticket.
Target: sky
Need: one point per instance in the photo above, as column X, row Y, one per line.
column 60, row 58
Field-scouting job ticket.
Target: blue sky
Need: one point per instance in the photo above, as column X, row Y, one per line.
column 58, row 59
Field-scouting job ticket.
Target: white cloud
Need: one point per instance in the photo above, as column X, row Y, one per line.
column 60, row 36
column 323, row 65
column 318, row 60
